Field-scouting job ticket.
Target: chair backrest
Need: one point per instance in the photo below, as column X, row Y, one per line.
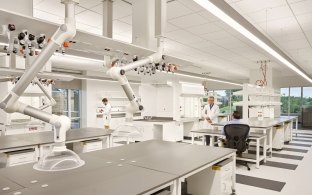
column 236, row 136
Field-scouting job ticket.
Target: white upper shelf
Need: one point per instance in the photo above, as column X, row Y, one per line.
column 240, row 93
column 257, row 103
column 87, row 45
column 85, row 41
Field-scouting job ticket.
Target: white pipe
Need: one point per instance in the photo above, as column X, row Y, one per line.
column 67, row 62
column 154, row 58
column 10, row 104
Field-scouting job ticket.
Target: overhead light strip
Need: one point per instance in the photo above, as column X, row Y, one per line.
column 208, row 79
column 79, row 57
column 234, row 24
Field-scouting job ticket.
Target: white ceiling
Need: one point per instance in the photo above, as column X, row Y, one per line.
column 196, row 35
column 288, row 23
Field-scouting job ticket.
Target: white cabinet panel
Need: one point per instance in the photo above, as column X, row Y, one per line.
column 173, row 131
column 165, row 102
column 148, row 96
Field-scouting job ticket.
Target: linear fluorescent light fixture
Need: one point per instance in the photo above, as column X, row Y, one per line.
column 207, row 79
column 215, row 10
column 78, row 57
column 102, row 79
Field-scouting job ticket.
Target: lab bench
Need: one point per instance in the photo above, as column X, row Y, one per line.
column 160, row 128
column 266, row 126
column 41, row 141
column 165, row 128
column 256, row 137
column 140, row 168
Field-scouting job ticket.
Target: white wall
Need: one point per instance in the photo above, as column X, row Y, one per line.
column 157, row 100
column 92, row 92
column 148, row 94
column 165, row 102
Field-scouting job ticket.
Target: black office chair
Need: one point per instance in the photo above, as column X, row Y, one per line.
column 236, row 138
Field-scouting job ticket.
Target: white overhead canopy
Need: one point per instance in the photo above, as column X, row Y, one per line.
column 196, row 35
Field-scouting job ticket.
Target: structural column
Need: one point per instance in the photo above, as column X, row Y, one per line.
column 143, row 23
column 108, row 18
column 24, row 7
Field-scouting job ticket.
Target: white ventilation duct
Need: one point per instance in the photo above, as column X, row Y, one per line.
column 71, row 62
column 75, row 63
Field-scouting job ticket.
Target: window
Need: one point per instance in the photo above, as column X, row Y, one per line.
column 224, row 99
column 235, row 98
column 307, row 96
column 68, row 104
column 61, row 98
column 285, row 100
column 74, row 111
column 295, row 100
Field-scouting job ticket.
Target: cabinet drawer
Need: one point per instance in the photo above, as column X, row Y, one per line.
column 19, row 157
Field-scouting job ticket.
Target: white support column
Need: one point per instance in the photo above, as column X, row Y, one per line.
column 143, row 23
column 108, row 18
column 160, row 20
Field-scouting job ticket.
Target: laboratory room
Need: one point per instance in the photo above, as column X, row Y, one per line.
column 155, row 97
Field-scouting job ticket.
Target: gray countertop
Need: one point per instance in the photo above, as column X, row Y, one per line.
column 169, row 157
column 8, row 185
column 166, row 120
column 133, row 169
column 155, row 119
column 181, row 161
column 265, row 123
column 218, row 133
column 95, row 178
column 31, row 139
column 133, row 151
column 24, row 174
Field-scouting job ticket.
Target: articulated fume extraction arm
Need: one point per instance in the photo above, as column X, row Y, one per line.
column 11, row 102
column 118, row 73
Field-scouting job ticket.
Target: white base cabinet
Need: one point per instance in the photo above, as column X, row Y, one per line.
column 214, row 181
column 278, row 137
column 167, row 131
column 88, row 146
column 14, row 158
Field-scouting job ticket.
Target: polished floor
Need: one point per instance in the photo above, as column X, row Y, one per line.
column 293, row 170
column 288, row 172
